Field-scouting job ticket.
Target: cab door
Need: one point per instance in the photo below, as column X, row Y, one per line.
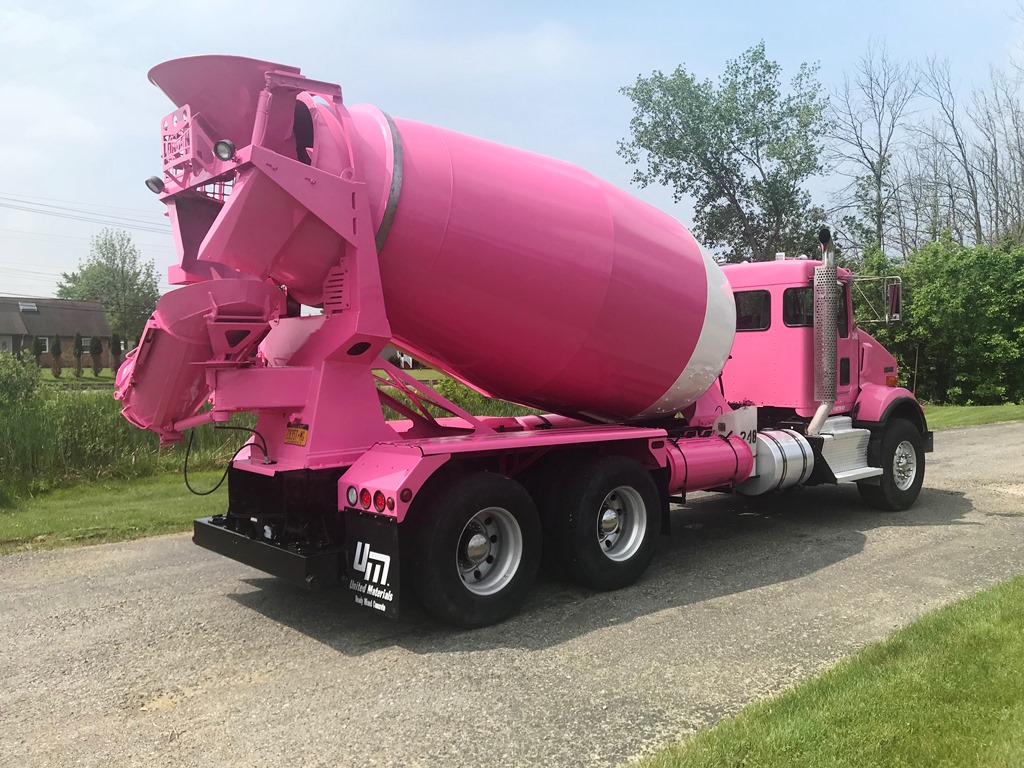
column 847, row 353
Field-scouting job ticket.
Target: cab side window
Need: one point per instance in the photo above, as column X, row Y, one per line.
column 798, row 309
column 753, row 310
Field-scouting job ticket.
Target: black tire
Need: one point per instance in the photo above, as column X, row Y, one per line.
column 607, row 491
column 477, row 551
column 900, row 454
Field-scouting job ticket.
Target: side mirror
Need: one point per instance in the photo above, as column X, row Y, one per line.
column 893, row 314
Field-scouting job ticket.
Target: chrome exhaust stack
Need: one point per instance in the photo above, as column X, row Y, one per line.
column 826, row 310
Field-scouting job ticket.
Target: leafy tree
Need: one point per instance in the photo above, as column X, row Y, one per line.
column 115, row 353
column 115, row 275
column 76, row 351
column 96, row 353
column 741, row 149
column 37, row 349
column 19, row 378
column 56, row 363
column 964, row 308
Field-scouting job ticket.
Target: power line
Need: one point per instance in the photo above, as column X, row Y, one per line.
column 84, row 215
column 84, row 210
column 25, row 234
column 80, row 203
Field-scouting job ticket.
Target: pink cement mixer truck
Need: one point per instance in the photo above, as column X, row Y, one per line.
column 524, row 277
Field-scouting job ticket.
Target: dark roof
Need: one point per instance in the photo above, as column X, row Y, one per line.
column 52, row 317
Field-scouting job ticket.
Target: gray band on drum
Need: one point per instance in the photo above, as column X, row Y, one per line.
column 396, row 185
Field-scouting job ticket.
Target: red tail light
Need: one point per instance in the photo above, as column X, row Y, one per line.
column 365, row 498
column 378, row 501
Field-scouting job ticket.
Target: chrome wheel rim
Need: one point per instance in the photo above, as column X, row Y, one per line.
column 621, row 523
column 489, row 551
column 904, row 465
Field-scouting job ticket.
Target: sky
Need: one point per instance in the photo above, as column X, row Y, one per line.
column 79, row 129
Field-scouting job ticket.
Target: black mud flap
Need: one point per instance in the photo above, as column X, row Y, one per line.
column 372, row 561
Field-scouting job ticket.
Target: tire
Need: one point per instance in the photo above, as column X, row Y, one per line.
column 609, row 523
column 477, row 550
column 901, row 457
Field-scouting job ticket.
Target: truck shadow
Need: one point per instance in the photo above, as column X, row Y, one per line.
column 719, row 545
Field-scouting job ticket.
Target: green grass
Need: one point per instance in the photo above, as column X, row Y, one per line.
column 86, row 380
column 948, row 416
column 112, row 510
column 948, row 690
column 61, row 438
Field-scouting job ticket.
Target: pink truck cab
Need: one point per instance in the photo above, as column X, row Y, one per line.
column 657, row 372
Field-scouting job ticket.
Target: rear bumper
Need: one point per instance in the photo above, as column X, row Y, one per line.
column 321, row 569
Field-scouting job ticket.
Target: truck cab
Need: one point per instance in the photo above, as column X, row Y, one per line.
column 775, row 361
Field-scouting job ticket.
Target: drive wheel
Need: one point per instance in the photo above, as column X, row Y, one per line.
column 901, row 458
column 478, row 550
column 609, row 524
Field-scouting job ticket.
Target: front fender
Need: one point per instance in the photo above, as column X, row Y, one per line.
column 877, row 404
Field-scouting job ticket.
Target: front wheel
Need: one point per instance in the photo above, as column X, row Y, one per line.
column 478, row 550
column 902, row 461
column 609, row 520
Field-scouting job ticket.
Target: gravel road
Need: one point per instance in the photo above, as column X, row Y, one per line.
column 157, row 653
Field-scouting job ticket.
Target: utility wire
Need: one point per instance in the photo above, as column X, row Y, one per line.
column 11, row 195
column 26, row 234
column 83, row 210
column 89, row 219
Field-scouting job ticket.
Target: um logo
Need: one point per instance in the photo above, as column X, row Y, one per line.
column 373, row 565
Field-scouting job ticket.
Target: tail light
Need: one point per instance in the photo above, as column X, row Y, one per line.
column 378, row 501
column 365, row 498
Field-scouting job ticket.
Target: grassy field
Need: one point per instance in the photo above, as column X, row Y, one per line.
column 947, row 416
column 109, row 511
column 948, row 690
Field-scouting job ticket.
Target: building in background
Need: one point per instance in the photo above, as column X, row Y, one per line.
column 24, row 319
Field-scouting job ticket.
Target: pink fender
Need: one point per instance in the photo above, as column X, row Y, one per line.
column 878, row 403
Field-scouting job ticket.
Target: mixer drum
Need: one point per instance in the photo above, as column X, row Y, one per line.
column 534, row 281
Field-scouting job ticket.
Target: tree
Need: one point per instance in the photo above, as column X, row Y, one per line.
column 868, row 115
column 115, row 275
column 56, row 362
column 742, row 150
column 37, row 349
column 76, row 351
column 96, row 353
column 963, row 308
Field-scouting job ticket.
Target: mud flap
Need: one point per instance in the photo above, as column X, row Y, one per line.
column 372, row 562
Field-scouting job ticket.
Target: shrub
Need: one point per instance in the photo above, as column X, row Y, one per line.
column 19, row 379
column 37, row 349
column 76, row 351
column 57, row 363
column 115, row 353
column 96, row 353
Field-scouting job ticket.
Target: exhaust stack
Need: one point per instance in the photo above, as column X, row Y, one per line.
column 826, row 309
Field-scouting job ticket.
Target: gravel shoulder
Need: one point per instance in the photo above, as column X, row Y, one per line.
column 156, row 652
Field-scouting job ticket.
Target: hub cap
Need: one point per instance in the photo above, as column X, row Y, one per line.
column 904, row 465
column 490, row 549
column 622, row 523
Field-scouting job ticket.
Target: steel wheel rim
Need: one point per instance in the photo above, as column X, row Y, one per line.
column 904, row 465
column 489, row 551
column 621, row 523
